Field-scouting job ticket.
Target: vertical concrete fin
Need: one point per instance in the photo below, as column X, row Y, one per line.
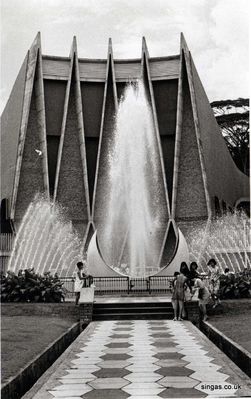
column 101, row 189
column 110, row 104
column 190, row 178
column 178, row 131
column 187, row 61
column 71, row 187
column 80, row 120
column 62, row 134
column 10, row 130
column 169, row 245
column 29, row 92
column 146, row 76
column 216, row 157
column 115, row 95
column 41, row 118
column 88, row 235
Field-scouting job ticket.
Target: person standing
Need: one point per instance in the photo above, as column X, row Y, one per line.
column 174, row 301
column 78, row 282
column 178, row 296
column 193, row 270
column 203, row 296
column 214, row 281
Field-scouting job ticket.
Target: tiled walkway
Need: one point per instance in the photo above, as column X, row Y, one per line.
column 141, row 359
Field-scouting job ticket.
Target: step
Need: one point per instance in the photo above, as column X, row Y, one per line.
column 129, row 306
column 133, row 305
column 132, row 316
column 132, row 310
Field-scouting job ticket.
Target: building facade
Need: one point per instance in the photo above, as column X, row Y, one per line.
column 64, row 108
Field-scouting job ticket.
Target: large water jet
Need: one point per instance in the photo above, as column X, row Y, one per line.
column 132, row 226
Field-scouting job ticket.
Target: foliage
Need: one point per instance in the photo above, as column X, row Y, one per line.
column 233, row 119
column 27, row 286
column 235, row 286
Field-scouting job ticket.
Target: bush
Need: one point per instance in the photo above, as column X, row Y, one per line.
column 27, row 286
column 235, row 286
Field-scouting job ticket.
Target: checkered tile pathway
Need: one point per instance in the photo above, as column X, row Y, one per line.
column 142, row 359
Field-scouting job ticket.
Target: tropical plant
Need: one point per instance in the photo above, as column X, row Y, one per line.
column 235, row 286
column 28, row 286
column 233, row 118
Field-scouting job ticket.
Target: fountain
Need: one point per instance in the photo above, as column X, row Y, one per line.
column 45, row 240
column 225, row 238
column 132, row 217
column 131, row 233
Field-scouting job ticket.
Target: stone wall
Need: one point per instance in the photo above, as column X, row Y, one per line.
column 10, row 125
column 31, row 176
column 191, row 201
column 71, row 190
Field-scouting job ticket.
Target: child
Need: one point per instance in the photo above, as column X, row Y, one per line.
column 179, row 291
column 78, row 283
column 193, row 270
column 203, row 296
column 174, row 302
column 214, row 275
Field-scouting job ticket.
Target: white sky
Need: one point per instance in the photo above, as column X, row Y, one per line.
column 216, row 31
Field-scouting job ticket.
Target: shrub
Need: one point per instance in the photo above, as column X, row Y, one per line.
column 235, row 286
column 28, row 286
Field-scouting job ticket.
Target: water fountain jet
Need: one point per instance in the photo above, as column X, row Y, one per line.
column 225, row 238
column 43, row 238
column 132, row 226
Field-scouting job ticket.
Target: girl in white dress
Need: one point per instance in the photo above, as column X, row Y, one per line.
column 78, row 283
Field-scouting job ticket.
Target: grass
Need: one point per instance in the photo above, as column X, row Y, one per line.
column 25, row 337
column 233, row 319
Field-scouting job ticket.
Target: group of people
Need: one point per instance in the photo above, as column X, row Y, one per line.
column 187, row 281
column 184, row 285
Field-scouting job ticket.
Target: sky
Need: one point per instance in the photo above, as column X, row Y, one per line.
column 216, row 31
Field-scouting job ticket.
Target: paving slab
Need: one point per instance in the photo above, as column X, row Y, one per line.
column 141, row 359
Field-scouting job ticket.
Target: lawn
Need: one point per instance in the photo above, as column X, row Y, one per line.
column 25, row 337
column 233, row 318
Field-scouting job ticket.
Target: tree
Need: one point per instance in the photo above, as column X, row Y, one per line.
column 233, row 119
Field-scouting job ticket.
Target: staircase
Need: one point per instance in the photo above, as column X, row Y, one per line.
column 132, row 311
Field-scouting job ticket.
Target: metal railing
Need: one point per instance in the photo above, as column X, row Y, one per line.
column 153, row 285
column 123, row 285
column 139, row 285
column 6, row 242
column 6, row 245
column 160, row 284
column 68, row 286
column 111, row 285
